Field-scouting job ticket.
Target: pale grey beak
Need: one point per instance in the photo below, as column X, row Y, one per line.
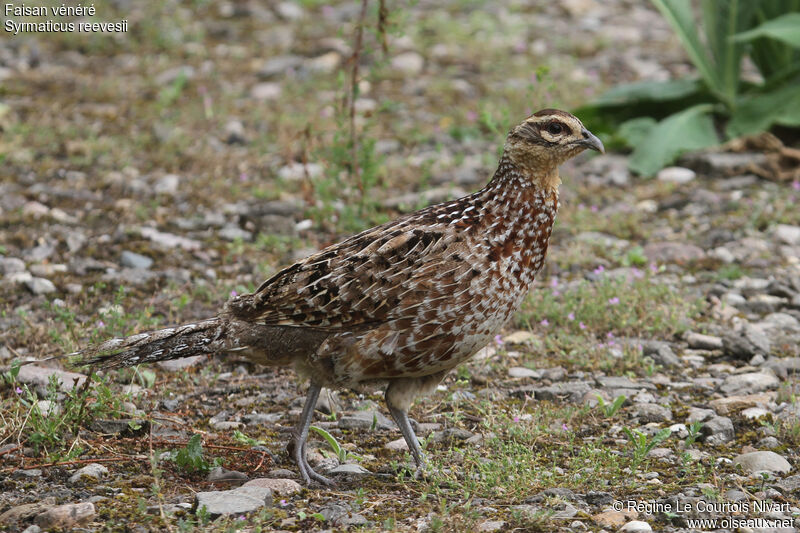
column 591, row 141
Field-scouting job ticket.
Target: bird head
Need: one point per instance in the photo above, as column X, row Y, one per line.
column 546, row 139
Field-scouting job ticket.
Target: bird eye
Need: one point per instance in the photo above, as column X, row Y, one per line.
column 555, row 128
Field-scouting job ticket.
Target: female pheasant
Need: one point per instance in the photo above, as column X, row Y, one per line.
column 401, row 303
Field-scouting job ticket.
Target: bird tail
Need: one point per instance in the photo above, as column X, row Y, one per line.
column 205, row 337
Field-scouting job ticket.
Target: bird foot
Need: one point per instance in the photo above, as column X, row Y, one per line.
column 298, row 454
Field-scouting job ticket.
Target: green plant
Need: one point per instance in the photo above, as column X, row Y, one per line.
column 642, row 445
column 190, row 458
column 694, row 433
column 661, row 120
column 610, row 409
column 341, row 453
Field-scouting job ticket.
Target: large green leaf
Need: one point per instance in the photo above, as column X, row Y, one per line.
column 679, row 15
column 631, row 131
column 647, row 91
column 691, row 129
column 785, row 28
column 758, row 113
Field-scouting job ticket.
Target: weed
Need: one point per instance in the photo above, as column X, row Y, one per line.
column 190, row 459
column 642, row 445
column 339, row 451
column 611, row 409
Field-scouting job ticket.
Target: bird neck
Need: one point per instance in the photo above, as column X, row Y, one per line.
column 529, row 175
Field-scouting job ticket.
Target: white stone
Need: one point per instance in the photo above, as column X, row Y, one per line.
column 636, row 526
column 676, row 175
column 761, row 461
column 408, row 63
column 267, row 90
column 788, row 234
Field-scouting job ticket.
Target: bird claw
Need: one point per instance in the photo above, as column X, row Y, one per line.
column 298, row 453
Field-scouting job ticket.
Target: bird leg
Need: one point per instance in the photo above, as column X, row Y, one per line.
column 298, row 444
column 401, row 419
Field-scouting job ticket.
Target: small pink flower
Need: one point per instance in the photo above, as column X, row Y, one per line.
column 516, row 419
column 556, row 294
column 582, row 325
column 234, row 293
column 18, row 390
column 581, row 206
column 101, row 324
column 564, row 427
column 796, row 185
column 593, row 209
column 472, row 116
column 498, row 340
column 613, row 301
column 283, row 503
column 610, row 334
column 545, row 322
column 600, row 269
column 243, row 176
column 637, row 273
column 653, row 268
column 611, row 343
column 571, row 316
column 554, row 282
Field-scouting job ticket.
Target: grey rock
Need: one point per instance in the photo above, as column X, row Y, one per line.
column 746, row 342
column 220, row 474
column 608, row 169
column 289, row 11
column 789, row 484
column 763, row 461
column 783, row 367
column 261, row 419
column 365, row 420
column 408, row 63
column 282, row 487
column 651, row 412
column 765, row 303
column 40, row 286
column 768, row 443
column 676, row 175
column 120, row 427
column 279, row 66
column 180, row 364
column 66, row 516
column 619, row 382
column 787, row 234
column 349, row 468
column 39, row 376
column 133, row 260
column 724, row 164
column 298, row 171
column 522, row 372
column 698, row 341
column 237, row 501
column 169, row 240
column 92, row 471
column 661, row 353
column 673, row 252
column 699, row 415
column 232, row 232
column 234, row 132
column 172, row 74
column 571, row 391
column 636, row 526
column 781, row 322
column 325, row 63
column 267, row 90
column 749, row 383
column 33, row 528
column 26, row 474
column 718, row 430
column 449, row 435
column 9, row 265
column 167, row 184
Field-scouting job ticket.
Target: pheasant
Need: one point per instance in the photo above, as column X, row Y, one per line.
column 400, row 304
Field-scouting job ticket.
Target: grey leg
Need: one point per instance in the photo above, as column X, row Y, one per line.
column 401, row 419
column 298, row 451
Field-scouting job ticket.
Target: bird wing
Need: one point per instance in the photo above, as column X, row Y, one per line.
column 357, row 283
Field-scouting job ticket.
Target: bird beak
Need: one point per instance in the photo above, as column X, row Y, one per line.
column 590, row 140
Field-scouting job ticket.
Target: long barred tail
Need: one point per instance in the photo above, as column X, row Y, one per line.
column 208, row 336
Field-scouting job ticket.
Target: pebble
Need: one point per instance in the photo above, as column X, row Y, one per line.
column 748, row 341
column 787, row 234
column 133, row 260
column 365, row 420
column 636, row 526
column 749, row 383
column 39, row 376
column 651, row 412
column 92, row 471
column 231, row 502
column 66, row 516
column 673, row 252
column 297, row 171
column 732, row 404
column 763, row 461
column 282, row 487
column 408, row 63
column 9, row 265
column 325, row 63
column 676, row 175
column 349, row 468
column 40, row 286
column 169, row 240
column 223, row 475
column 267, row 90
column 699, row 341
column 613, row 519
column 522, row 372
column 397, row 445
column 718, row 430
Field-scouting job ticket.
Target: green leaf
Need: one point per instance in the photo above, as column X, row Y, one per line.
column 636, row 128
column 759, row 113
column 644, row 91
column 679, row 15
column 785, row 28
column 691, row 129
